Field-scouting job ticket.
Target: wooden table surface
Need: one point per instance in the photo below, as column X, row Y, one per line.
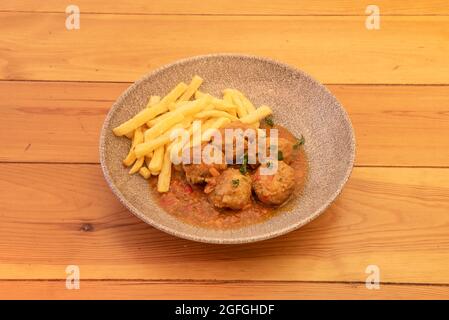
column 56, row 86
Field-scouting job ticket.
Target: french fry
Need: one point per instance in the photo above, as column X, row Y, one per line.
column 199, row 94
column 219, row 104
column 148, row 158
column 204, row 126
column 223, row 105
column 181, row 144
column 217, row 124
column 237, row 101
column 192, row 88
column 257, row 115
column 154, row 100
column 156, row 161
column 137, row 139
column 171, row 106
column 214, row 114
column 162, row 126
column 130, row 135
column 149, row 113
column 163, row 181
column 246, row 102
column 146, row 148
column 174, row 94
column 144, row 172
column 188, row 108
column 136, row 166
column 179, row 104
column 130, row 158
column 227, row 97
column 248, row 105
column 187, row 121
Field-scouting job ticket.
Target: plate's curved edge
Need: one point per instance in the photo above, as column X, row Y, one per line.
column 240, row 240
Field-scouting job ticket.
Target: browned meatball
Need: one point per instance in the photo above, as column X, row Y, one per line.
column 232, row 190
column 274, row 189
column 231, row 158
column 285, row 150
column 202, row 172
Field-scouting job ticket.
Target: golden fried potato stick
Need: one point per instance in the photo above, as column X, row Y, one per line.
column 163, row 181
column 156, row 161
column 149, row 113
column 186, row 109
column 257, row 115
column 159, row 128
column 148, row 147
column 247, row 104
column 236, row 100
column 154, row 100
column 130, row 158
column 217, row 124
column 193, row 86
column 130, row 135
column 214, row 114
column 144, row 172
column 137, row 165
column 137, row 139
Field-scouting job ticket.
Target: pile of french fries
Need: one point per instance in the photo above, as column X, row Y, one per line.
column 151, row 128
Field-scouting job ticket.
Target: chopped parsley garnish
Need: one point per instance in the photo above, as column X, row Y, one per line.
column 269, row 164
column 235, row 183
column 280, row 156
column 243, row 167
column 299, row 142
column 269, row 121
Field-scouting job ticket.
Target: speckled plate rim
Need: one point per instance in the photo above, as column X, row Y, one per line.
column 217, row 240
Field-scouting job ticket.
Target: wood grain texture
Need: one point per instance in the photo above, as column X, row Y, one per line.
column 61, row 122
column 187, row 290
column 406, row 50
column 55, row 215
column 220, row 7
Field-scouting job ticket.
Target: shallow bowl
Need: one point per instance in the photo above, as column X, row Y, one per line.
column 299, row 103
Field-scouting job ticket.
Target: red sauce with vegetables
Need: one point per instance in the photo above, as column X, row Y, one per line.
column 190, row 204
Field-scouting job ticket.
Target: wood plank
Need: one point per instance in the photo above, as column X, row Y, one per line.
column 406, row 50
column 53, row 121
column 214, row 290
column 55, row 215
column 398, row 125
column 61, row 122
column 282, row 7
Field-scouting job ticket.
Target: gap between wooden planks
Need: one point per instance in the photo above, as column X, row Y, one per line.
column 250, row 7
column 406, row 50
column 120, row 289
column 60, row 214
column 61, row 122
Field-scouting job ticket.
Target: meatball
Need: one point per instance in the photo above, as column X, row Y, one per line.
column 231, row 158
column 274, row 189
column 202, row 172
column 285, row 150
column 231, row 190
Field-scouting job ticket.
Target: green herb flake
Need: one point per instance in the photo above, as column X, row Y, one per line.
column 235, row 183
column 299, row 142
column 269, row 164
column 243, row 167
column 280, row 156
column 269, row 121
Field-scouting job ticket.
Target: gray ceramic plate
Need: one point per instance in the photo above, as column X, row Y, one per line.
column 299, row 102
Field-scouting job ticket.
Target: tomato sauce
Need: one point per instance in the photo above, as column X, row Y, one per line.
column 190, row 204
